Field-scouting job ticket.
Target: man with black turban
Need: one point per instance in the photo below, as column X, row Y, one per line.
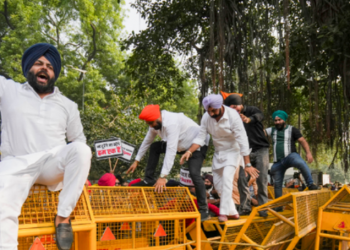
column 252, row 119
column 36, row 121
column 285, row 154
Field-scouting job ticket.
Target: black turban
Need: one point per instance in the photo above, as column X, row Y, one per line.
column 233, row 99
column 36, row 51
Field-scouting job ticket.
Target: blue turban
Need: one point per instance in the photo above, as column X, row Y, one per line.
column 214, row 101
column 281, row 114
column 36, row 51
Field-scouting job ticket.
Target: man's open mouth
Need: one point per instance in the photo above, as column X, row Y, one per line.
column 42, row 78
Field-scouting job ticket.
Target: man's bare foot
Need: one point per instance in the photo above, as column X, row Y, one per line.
column 60, row 220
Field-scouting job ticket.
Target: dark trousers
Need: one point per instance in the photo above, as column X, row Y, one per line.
column 194, row 165
column 259, row 160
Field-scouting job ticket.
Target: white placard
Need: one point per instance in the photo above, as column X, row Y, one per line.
column 185, row 177
column 110, row 148
column 128, row 151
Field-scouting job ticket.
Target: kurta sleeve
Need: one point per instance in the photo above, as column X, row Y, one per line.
column 239, row 133
column 201, row 138
column 75, row 131
column 151, row 134
column 5, row 84
column 172, row 139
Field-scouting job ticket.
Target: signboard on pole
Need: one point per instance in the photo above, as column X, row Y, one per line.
column 128, row 151
column 109, row 148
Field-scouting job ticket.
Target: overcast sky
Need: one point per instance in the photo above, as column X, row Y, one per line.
column 133, row 20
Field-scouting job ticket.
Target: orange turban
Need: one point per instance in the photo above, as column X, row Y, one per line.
column 150, row 113
column 225, row 95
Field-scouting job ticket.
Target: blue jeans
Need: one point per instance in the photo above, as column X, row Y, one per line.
column 279, row 168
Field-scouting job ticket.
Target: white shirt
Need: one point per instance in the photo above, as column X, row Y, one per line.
column 31, row 124
column 178, row 131
column 229, row 138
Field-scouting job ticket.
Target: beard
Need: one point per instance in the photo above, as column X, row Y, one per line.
column 280, row 126
column 158, row 126
column 40, row 89
column 208, row 186
column 216, row 116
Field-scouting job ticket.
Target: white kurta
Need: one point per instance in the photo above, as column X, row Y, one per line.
column 34, row 150
column 178, row 131
column 231, row 143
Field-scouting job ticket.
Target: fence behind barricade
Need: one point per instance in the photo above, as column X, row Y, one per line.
column 36, row 222
column 138, row 217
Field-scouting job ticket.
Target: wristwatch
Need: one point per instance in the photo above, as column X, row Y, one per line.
column 163, row 176
column 248, row 165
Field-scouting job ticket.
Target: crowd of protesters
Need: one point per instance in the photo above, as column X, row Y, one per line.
column 240, row 165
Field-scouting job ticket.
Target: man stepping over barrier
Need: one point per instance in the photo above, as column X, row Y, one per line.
column 285, row 154
column 231, row 146
column 252, row 119
column 177, row 132
column 36, row 120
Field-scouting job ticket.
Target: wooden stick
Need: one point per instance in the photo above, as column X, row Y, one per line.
column 115, row 165
column 110, row 165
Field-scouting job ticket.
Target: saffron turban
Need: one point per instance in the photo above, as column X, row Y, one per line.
column 225, row 95
column 150, row 113
column 281, row 114
column 233, row 99
column 107, row 179
column 36, row 51
column 214, row 101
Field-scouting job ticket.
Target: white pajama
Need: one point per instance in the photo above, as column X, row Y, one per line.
column 70, row 164
column 223, row 179
column 34, row 131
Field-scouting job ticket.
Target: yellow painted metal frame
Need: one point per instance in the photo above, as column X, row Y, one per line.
column 290, row 226
column 336, row 210
column 271, row 191
column 84, row 227
column 144, row 207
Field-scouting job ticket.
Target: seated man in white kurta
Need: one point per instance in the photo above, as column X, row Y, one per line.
column 231, row 150
column 36, row 121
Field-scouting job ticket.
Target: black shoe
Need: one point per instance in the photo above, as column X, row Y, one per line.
column 205, row 216
column 263, row 214
column 64, row 235
column 245, row 212
column 313, row 187
column 144, row 183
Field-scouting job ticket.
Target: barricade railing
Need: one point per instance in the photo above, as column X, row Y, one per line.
column 287, row 229
column 36, row 222
column 334, row 220
column 139, row 218
column 271, row 191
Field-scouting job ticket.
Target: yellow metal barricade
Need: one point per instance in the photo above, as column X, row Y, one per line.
column 139, row 218
column 334, row 220
column 36, row 221
column 288, row 227
column 271, row 191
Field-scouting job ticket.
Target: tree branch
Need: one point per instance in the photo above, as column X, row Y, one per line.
column 92, row 54
column 5, row 14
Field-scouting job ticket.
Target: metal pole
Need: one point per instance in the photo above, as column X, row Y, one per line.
column 83, row 91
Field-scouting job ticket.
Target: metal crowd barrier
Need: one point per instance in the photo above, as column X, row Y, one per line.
column 334, row 220
column 139, row 218
column 271, row 191
column 287, row 229
column 36, row 222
